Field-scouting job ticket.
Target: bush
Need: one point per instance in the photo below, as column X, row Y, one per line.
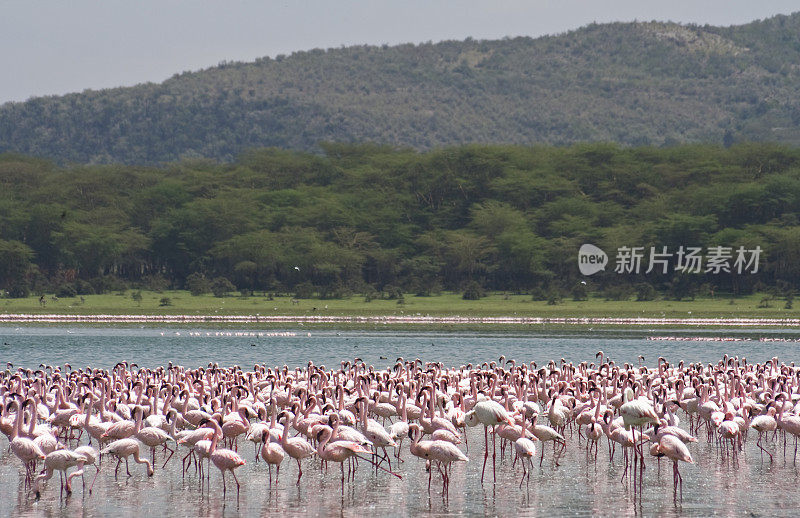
column 197, row 284
column 579, row 292
column 391, row 292
column 473, row 291
column 645, row 291
column 137, row 297
column 165, row 301
column 304, row 290
column 370, row 293
column 538, row 294
column 617, row 293
column 107, row 283
column 156, row 283
column 334, row 291
column 554, row 297
column 83, row 287
column 18, row 290
column 66, row 290
column 221, row 287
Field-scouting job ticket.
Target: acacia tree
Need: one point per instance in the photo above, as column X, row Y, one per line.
column 15, row 262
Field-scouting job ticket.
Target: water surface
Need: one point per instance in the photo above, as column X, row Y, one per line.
column 579, row 487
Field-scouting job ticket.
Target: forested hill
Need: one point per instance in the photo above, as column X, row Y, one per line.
column 630, row 83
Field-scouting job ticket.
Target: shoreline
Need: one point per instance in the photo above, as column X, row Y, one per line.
column 743, row 322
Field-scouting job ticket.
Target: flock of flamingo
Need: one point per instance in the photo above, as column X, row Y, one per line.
column 59, row 419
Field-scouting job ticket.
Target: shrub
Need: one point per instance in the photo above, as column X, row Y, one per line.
column 137, row 297
column 472, row 291
column 221, row 287
column 370, row 293
column 66, row 290
column 18, row 290
column 197, row 284
column 617, row 293
column 645, row 291
column 579, row 292
column 107, row 283
column 83, row 287
column 553, row 297
column 391, row 292
column 304, row 290
column 157, row 283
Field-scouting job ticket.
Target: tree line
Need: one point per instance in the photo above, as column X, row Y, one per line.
column 383, row 221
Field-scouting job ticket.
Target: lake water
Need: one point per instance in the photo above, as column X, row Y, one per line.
column 579, row 487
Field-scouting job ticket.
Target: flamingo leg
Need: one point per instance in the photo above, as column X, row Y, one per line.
column 485, row 450
column 172, row 452
column 95, row 478
column 237, row 483
column 494, row 455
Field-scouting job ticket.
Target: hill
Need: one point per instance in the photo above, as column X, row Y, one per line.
column 630, row 83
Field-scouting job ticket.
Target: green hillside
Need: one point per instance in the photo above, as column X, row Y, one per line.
column 630, row 83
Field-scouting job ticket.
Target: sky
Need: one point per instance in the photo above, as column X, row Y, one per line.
column 53, row 47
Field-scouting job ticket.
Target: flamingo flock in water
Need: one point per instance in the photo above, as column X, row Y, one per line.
column 59, row 419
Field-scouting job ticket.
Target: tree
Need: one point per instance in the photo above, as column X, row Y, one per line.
column 221, row 286
column 197, row 284
column 15, row 262
column 472, row 291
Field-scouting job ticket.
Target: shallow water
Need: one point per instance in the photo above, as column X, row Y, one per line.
column 579, row 487
column 194, row 347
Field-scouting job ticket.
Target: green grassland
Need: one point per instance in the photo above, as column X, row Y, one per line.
column 446, row 304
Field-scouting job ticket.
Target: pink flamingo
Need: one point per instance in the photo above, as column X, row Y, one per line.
column 272, row 453
column 90, row 457
column 525, row 450
column 23, row 447
column 59, row 460
column 488, row 413
column 673, row 448
column 124, row 448
column 445, row 453
column 224, row 459
column 337, row 451
column 297, row 447
column 765, row 423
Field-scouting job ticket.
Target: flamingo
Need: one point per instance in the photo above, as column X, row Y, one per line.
column 545, row 433
column 525, row 449
column 90, row 457
column 297, row 447
column 765, row 423
column 337, row 451
column 224, row 459
column 124, row 448
column 673, row 448
column 445, row 453
column 23, row 447
column 59, row 460
column 272, row 453
column 488, row 413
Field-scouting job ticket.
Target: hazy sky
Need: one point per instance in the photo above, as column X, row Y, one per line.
column 60, row 46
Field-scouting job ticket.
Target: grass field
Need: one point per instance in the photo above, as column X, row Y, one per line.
column 448, row 304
